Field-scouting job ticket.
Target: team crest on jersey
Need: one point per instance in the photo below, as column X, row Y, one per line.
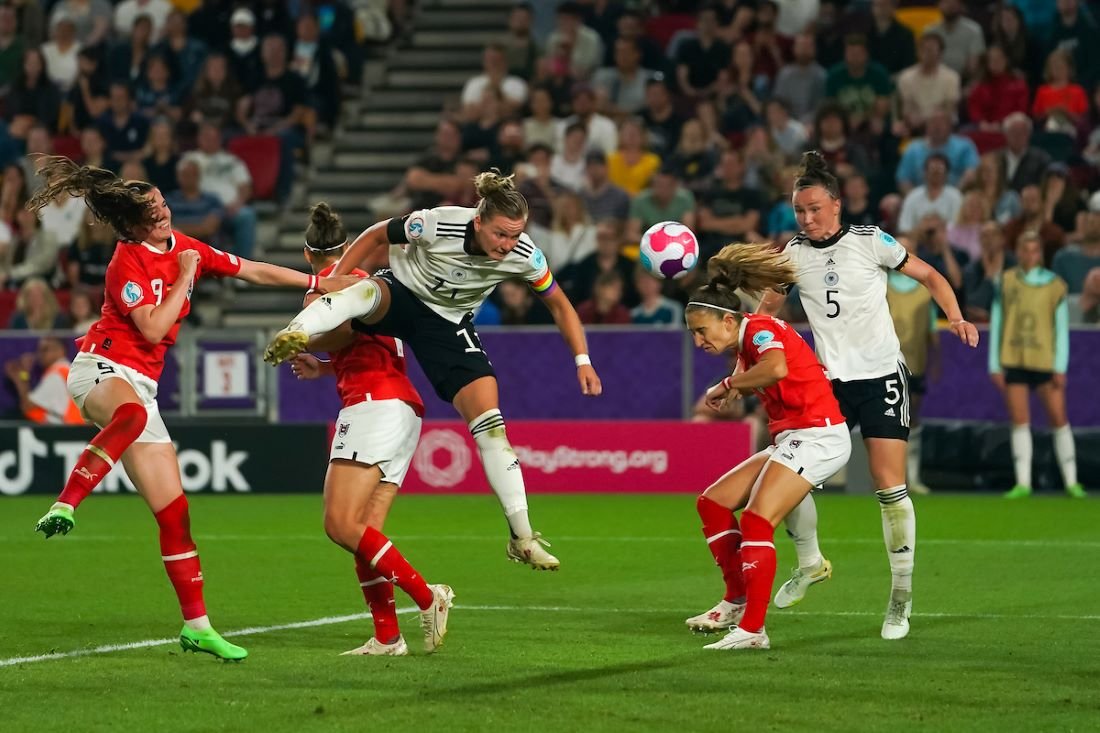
column 416, row 227
column 343, row 429
column 132, row 293
column 831, row 278
column 794, row 444
column 458, row 275
column 762, row 338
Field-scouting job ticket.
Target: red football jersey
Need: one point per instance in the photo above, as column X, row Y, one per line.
column 373, row 368
column 802, row 399
column 139, row 275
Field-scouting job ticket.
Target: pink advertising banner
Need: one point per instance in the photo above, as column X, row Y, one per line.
column 566, row 456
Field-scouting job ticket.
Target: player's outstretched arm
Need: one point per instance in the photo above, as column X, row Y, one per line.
column 569, row 324
column 364, row 250
column 944, row 296
column 264, row 273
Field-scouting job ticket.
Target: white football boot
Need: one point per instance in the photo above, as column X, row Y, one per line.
column 721, row 617
column 738, row 638
column 375, row 648
column 433, row 621
column 794, row 590
column 896, row 624
column 530, row 550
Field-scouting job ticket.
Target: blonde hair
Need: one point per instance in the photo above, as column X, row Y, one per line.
column 498, row 196
column 50, row 308
column 752, row 268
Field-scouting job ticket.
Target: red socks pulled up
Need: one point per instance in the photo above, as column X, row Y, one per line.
column 758, row 567
column 181, row 559
column 378, row 592
column 724, row 542
column 103, row 452
column 379, row 553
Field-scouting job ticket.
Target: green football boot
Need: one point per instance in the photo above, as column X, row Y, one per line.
column 58, row 520
column 211, row 642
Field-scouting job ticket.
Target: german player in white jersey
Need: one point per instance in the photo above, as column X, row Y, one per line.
column 842, row 273
column 445, row 262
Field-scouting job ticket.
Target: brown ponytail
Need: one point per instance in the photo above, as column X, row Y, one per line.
column 123, row 205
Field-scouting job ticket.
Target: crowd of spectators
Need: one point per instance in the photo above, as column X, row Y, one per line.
column 939, row 117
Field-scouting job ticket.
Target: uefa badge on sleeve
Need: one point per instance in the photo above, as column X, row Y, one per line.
column 416, row 227
column 132, row 293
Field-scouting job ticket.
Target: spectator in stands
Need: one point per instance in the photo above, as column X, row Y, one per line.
column 48, row 403
column 602, row 16
column 133, row 170
column 567, row 167
column 88, row 96
column 431, row 178
column 245, row 62
column 605, row 307
column 128, row 10
column 960, row 152
column 480, row 132
column 124, row 130
column 981, row 275
column 662, row 122
column 63, row 218
column 631, row 27
column 858, row 208
column 90, row 254
column 1023, row 164
column 92, row 18
column 699, row 59
column 1077, row 260
column 537, row 186
column 36, row 308
column 602, row 198
column 829, row 34
column 507, row 151
column 584, row 44
column 14, row 192
column 653, row 308
column 33, row 97
column 518, row 306
column 572, row 236
column 521, row 50
column 964, row 40
column 1062, row 201
column 39, row 142
column 831, row 137
column 728, row 210
column 889, row 42
column 215, row 95
column 935, row 248
column 631, row 166
column 928, row 85
column 1076, row 33
column 126, row 59
column 787, row 134
column 801, row 83
column 162, row 156
column 579, row 280
column 664, row 200
column 552, row 72
column 1010, row 33
column 12, row 46
column 277, row 106
column 195, row 213
column 964, row 232
column 860, row 86
column 763, row 160
column 93, row 149
column 1000, row 91
column 541, row 127
column 157, row 94
column 1091, row 153
column 1033, row 218
column 781, row 224
column 1060, row 103
column 82, row 311
column 621, row 89
column 695, row 158
column 209, row 22
column 466, row 193
column 60, row 53
column 1003, row 202
column 602, row 134
column 935, row 196
column 185, row 52
column 737, row 92
column 494, row 76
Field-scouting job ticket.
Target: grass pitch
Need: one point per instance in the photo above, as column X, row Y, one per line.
column 1006, row 630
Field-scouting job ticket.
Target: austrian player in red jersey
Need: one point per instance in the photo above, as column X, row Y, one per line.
column 113, row 379
column 809, row 437
column 376, row 434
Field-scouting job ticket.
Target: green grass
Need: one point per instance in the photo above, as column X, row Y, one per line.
column 1006, row 630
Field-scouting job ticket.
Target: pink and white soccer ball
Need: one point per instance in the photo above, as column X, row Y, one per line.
column 669, row 249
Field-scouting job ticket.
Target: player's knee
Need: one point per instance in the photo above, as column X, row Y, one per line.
column 488, row 430
column 341, row 529
column 131, row 417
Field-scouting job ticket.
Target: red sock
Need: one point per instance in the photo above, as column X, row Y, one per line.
column 378, row 593
column 724, row 542
column 758, row 558
column 103, row 452
column 180, row 557
column 379, row 553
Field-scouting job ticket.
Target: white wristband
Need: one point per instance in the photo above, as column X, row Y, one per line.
column 582, row 360
column 314, row 283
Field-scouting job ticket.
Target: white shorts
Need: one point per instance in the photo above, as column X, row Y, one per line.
column 813, row 453
column 88, row 370
column 381, row 433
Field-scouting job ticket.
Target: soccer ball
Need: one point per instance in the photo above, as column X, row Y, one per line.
column 669, row 250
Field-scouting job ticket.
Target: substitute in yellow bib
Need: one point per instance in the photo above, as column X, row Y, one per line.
column 1029, row 349
column 914, row 317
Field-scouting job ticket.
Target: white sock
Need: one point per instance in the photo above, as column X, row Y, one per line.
column 913, row 455
column 899, row 531
column 330, row 310
column 502, row 469
column 1066, row 453
column 1021, row 453
column 199, row 623
column 802, row 528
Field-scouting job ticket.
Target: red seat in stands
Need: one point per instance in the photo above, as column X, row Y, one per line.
column 260, row 154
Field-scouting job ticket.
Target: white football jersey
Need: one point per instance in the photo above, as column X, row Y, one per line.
column 842, row 283
column 431, row 255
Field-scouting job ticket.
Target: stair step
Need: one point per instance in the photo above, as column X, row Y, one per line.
column 452, row 80
column 443, row 5
column 397, row 101
column 342, row 201
column 396, row 120
column 335, row 179
column 366, row 162
column 462, row 19
column 466, row 58
column 446, row 39
column 362, row 140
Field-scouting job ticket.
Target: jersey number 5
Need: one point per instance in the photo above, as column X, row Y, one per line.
column 829, row 295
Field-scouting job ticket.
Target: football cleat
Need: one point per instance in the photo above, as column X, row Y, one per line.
column 738, row 638
column 433, row 621
column 721, row 617
column 375, row 648
column 1077, row 491
column 286, row 344
column 210, row 642
column 896, row 623
column 1019, row 491
column 58, row 520
column 530, row 550
column 794, row 590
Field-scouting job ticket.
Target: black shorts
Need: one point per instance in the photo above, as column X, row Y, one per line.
column 1030, row 377
column 449, row 353
column 880, row 406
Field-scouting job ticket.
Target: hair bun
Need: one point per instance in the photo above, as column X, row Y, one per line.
column 813, row 163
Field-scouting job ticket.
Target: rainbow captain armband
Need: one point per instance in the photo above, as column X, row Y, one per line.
column 545, row 284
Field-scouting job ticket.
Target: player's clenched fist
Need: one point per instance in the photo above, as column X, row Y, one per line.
column 189, row 261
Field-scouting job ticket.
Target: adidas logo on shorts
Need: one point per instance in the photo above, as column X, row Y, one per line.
column 890, row 413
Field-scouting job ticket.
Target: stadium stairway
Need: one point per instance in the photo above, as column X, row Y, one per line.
column 384, row 127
